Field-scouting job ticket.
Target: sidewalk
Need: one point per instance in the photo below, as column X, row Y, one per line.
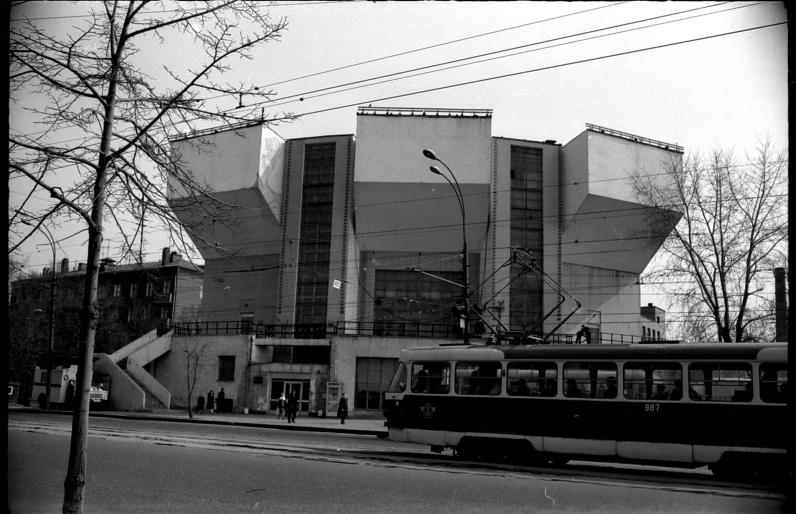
column 373, row 427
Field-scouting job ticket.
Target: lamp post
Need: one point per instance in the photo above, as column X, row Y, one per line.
column 458, row 190
column 50, row 239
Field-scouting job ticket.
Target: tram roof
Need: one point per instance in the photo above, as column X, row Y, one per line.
column 771, row 352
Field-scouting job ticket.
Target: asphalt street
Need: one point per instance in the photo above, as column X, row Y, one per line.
column 152, row 466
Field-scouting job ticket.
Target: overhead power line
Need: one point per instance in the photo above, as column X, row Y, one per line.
column 544, row 68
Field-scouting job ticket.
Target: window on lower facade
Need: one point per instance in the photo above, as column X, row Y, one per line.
column 226, row 368
column 373, row 378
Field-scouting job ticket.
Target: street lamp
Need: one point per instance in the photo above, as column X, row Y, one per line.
column 49, row 237
column 458, row 190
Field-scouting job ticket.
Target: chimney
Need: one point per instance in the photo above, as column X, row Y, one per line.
column 81, row 266
column 781, row 304
column 64, row 265
column 649, row 305
column 165, row 257
column 175, row 257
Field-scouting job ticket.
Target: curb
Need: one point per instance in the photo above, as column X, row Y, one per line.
column 381, row 434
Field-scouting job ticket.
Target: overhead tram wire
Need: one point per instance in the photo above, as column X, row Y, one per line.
column 440, row 44
column 409, row 52
column 303, row 97
column 544, row 68
column 282, row 100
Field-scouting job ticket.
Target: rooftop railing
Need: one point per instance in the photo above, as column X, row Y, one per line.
column 635, row 138
column 386, row 329
column 424, row 111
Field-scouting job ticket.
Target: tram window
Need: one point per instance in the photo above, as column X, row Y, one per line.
column 773, row 383
column 431, row 377
column 398, row 384
column 590, row 380
column 720, row 382
column 531, row 379
column 478, row 378
column 653, row 381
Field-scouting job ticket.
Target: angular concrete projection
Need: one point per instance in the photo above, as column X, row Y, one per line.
column 400, row 204
column 244, row 169
column 604, row 225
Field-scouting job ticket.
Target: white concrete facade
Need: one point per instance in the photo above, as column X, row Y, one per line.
column 390, row 212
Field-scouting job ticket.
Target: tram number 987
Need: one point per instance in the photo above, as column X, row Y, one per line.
column 652, row 407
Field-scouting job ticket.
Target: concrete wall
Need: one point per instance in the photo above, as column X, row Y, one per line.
column 153, row 386
column 145, row 354
column 233, row 159
column 400, row 204
column 227, row 285
column 389, row 148
column 346, row 349
column 124, row 394
column 187, row 299
column 170, row 368
column 609, row 299
column 138, row 344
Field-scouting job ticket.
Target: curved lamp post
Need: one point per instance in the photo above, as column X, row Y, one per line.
column 460, row 198
column 50, row 239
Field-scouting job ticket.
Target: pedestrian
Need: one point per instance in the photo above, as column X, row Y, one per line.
column 211, row 401
column 200, row 404
column 70, row 393
column 220, row 401
column 292, row 408
column 281, row 404
column 584, row 332
column 342, row 409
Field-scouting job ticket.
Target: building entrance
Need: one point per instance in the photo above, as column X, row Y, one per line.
column 301, row 388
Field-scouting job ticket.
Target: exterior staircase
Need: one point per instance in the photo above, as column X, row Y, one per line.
column 133, row 388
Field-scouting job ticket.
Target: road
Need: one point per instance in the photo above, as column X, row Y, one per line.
column 146, row 466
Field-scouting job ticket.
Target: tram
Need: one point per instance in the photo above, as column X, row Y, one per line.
column 685, row 405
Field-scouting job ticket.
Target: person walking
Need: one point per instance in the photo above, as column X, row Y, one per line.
column 342, row 409
column 220, row 400
column 292, row 408
column 200, row 404
column 281, row 404
column 211, row 401
column 70, row 394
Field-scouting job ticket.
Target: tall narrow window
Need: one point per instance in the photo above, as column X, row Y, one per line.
column 133, row 290
column 117, row 290
column 315, row 234
column 525, row 293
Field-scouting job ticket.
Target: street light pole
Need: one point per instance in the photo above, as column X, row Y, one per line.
column 465, row 278
column 51, row 348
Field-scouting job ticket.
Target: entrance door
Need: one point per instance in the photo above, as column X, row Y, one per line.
column 302, row 391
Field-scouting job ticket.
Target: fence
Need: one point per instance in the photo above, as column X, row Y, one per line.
column 381, row 329
column 211, row 328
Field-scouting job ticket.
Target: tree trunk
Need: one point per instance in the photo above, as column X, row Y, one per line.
column 75, row 481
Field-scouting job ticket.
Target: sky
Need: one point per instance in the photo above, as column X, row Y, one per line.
column 717, row 90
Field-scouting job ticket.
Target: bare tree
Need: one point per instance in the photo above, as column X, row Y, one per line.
column 734, row 230
column 107, row 125
column 193, row 351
